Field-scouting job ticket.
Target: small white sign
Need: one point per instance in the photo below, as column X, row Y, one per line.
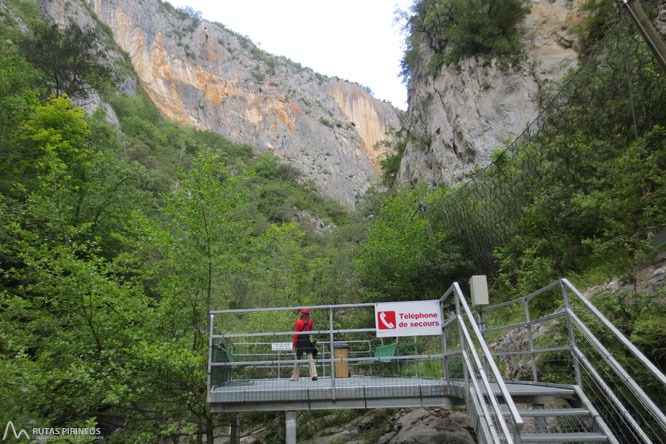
column 417, row 318
column 282, row 346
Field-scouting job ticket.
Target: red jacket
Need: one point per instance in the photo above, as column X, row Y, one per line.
column 301, row 326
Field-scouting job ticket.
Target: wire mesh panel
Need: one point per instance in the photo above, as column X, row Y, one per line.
column 615, row 97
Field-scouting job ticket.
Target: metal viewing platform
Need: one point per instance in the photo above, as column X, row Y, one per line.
column 359, row 364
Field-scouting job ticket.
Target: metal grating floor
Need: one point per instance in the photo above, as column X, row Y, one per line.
column 352, row 392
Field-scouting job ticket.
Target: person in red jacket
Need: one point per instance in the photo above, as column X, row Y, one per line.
column 302, row 345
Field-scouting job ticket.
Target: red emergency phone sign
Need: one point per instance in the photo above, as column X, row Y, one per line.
column 408, row 318
column 386, row 320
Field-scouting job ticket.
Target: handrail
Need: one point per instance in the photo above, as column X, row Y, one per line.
column 477, row 390
column 310, row 307
column 518, row 420
column 327, row 360
column 618, row 334
column 486, row 385
column 619, row 370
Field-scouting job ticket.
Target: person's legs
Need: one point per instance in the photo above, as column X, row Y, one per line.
column 313, row 367
column 296, row 373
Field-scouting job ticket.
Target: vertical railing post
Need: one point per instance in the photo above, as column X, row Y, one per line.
column 572, row 336
column 332, row 350
column 210, row 348
column 416, row 352
column 461, row 340
column 234, row 432
column 482, row 327
column 445, row 358
column 290, row 426
column 530, row 338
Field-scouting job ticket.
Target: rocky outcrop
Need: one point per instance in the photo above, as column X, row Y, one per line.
column 201, row 74
column 459, row 117
column 403, row 426
column 430, row 425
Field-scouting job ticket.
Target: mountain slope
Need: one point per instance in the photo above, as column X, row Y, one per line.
column 201, row 74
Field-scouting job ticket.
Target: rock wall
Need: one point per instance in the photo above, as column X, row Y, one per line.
column 201, row 74
column 459, row 117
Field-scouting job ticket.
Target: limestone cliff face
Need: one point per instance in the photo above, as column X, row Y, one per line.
column 461, row 116
column 201, row 74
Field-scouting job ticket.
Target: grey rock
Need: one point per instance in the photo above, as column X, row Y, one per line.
column 463, row 114
column 431, row 425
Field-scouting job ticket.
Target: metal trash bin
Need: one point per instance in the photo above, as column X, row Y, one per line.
column 341, row 351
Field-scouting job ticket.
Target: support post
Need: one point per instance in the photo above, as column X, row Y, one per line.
column 482, row 327
column 445, row 358
column 235, row 430
column 462, row 348
column 540, row 425
column 530, row 339
column 290, row 422
column 210, row 347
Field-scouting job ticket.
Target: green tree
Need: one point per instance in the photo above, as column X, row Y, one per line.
column 71, row 58
column 401, row 259
column 201, row 249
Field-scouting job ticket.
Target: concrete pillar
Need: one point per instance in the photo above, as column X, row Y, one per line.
column 291, row 426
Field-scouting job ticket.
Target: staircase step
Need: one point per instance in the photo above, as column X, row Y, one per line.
column 517, row 389
column 540, row 413
column 563, row 437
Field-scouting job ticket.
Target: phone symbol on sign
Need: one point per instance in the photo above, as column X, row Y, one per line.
column 386, row 320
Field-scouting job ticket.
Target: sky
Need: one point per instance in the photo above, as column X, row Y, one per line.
column 355, row 40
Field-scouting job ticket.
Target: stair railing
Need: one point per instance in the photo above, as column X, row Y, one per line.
column 480, row 397
column 626, row 413
column 623, row 403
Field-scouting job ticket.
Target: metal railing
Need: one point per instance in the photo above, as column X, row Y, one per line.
column 480, row 398
column 249, row 364
column 563, row 346
column 250, row 358
column 555, row 343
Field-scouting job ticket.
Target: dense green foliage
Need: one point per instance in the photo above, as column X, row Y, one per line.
column 118, row 240
column 116, row 243
column 453, row 30
column 402, row 259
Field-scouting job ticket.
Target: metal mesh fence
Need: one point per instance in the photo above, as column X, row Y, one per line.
column 253, row 361
column 616, row 95
column 574, row 346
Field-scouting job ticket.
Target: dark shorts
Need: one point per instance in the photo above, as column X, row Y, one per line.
column 305, row 349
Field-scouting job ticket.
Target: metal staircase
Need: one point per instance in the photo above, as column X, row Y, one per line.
column 595, row 398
